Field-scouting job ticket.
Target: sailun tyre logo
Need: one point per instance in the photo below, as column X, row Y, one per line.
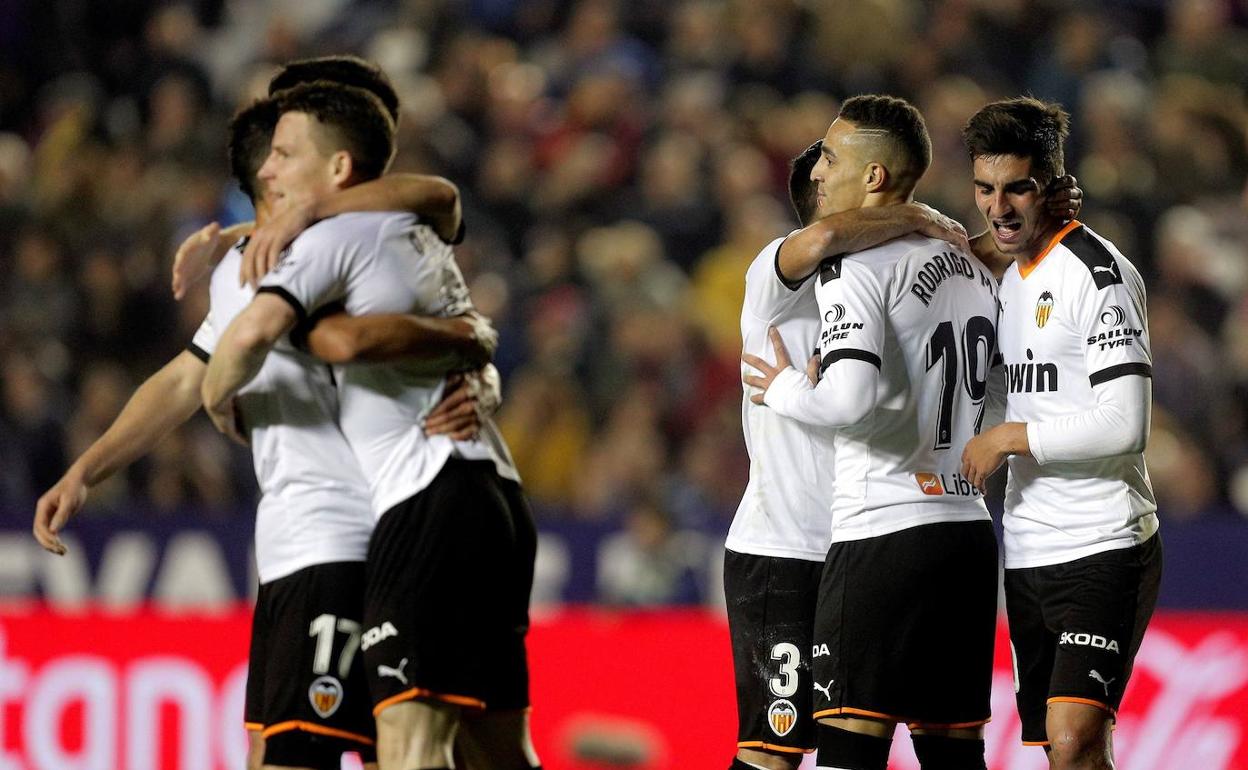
column 1114, row 316
column 782, row 717
column 834, row 314
column 326, row 696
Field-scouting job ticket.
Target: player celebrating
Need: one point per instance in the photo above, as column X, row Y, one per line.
column 783, row 527
column 1082, row 554
column 306, row 689
column 442, row 632
column 907, row 334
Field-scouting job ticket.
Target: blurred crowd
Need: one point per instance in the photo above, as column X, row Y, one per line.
column 621, row 163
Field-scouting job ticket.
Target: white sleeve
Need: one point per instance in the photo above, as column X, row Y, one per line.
column 1112, row 317
column 314, row 270
column 1112, row 320
column 837, row 400
column 205, row 340
column 1117, row 425
column 851, row 345
column 767, row 294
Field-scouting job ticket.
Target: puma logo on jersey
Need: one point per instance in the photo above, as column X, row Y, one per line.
column 1094, row 674
column 1089, row 640
column 1112, row 269
column 1031, row 377
column 827, row 691
column 397, row 673
column 378, row 633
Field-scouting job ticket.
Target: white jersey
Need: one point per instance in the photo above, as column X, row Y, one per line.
column 380, row 262
column 786, row 510
column 313, row 499
column 1076, row 319
column 924, row 314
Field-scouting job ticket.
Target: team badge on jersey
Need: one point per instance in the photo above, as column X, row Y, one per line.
column 1044, row 308
column 326, row 695
column 782, row 717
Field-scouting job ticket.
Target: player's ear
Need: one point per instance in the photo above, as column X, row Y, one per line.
column 875, row 177
column 341, row 166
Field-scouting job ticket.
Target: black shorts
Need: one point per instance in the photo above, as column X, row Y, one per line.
column 905, row 625
column 1075, row 628
column 306, row 690
column 771, row 619
column 446, row 608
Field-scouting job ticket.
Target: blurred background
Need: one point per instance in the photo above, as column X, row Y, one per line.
column 621, row 164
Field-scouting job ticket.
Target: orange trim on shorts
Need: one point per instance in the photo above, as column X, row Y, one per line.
column 851, row 712
column 420, row 692
column 256, row 726
column 1035, row 743
column 772, row 747
column 1084, row 701
column 1026, row 271
column 947, row 725
column 312, row 727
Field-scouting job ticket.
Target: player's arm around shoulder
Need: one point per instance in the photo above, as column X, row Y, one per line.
column 432, row 198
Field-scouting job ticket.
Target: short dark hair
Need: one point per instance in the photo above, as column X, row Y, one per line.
column 353, row 120
column 801, row 188
column 251, row 131
column 904, row 124
column 1025, row 127
column 345, row 70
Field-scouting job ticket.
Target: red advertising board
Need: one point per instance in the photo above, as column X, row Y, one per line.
column 650, row 691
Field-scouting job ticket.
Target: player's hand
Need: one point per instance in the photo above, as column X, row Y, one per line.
column 54, row 510
column 985, row 453
column 934, row 224
column 769, row 372
column 226, row 418
column 456, row 414
column 1065, row 199
column 195, row 258
column 267, row 242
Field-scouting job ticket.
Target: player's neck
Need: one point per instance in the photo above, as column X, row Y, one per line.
column 889, row 198
column 1038, row 248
